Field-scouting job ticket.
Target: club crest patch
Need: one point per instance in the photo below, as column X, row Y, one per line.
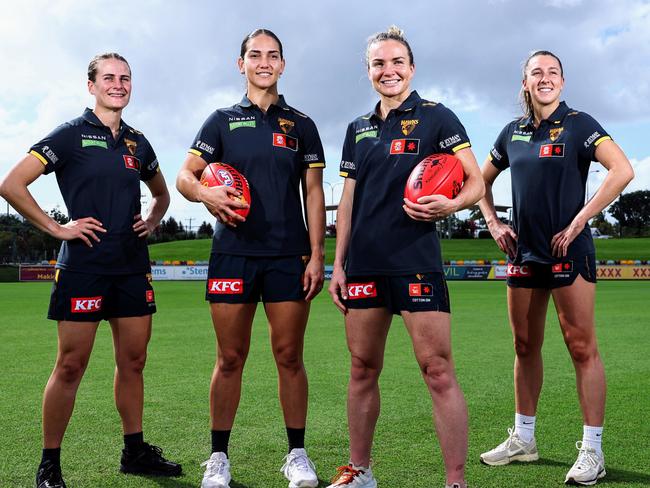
column 554, row 133
column 131, row 146
column 408, row 126
column 286, row 125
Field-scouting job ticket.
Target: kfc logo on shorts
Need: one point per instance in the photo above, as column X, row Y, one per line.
column 518, row 271
column 562, row 267
column 420, row 290
column 131, row 162
column 551, row 151
column 361, row 290
column 149, row 296
column 283, row 140
column 225, row 286
column 86, row 304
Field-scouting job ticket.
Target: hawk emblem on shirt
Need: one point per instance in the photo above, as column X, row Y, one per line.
column 408, row 126
column 131, row 146
column 285, row 125
column 555, row 133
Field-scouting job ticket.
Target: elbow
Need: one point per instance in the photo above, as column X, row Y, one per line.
column 4, row 189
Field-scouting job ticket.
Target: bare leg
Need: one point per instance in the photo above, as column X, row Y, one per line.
column 232, row 325
column 366, row 332
column 430, row 333
column 287, row 321
column 130, row 338
column 575, row 309
column 527, row 311
column 76, row 341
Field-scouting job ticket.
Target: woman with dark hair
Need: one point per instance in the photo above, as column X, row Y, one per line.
column 388, row 256
column 551, row 252
column 270, row 255
column 103, row 271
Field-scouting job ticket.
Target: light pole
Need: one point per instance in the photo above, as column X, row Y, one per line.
column 332, row 188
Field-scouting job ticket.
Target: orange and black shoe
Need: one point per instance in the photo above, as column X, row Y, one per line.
column 148, row 460
column 351, row 476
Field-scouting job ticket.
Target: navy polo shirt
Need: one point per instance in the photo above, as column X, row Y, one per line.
column 272, row 150
column 380, row 155
column 99, row 177
column 549, row 166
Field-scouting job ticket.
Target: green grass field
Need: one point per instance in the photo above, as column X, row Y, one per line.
column 406, row 453
column 454, row 249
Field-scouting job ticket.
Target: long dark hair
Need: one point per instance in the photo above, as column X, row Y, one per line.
column 255, row 33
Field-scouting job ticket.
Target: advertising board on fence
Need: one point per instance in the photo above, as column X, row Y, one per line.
column 452, row 272
column 36, row 273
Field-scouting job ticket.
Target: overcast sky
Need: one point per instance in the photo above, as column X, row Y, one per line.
column 183, row 55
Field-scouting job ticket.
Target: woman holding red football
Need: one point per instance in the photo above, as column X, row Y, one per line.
column 388, row 255
column 551, row 253
column 268, row 255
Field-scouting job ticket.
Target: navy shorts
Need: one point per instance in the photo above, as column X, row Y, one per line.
column 83, row 297
column 540, row 275
column 249, row 279
column 426, row 292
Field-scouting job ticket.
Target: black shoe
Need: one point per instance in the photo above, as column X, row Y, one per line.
column 148, row 460
column 49, row 476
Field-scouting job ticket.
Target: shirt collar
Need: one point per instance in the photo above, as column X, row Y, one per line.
column 246, row 102
column 556, row 117
column 408, row 104
column 90, row 117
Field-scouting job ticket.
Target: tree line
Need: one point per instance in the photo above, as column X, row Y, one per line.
column 20, row 241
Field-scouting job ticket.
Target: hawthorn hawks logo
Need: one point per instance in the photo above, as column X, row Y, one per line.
column 285, row 125
column 131, row 146
column 408, row 126
column 554, row 133
column 357, row 291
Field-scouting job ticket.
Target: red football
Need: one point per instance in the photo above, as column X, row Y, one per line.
column 437, row 174
column 220, row 174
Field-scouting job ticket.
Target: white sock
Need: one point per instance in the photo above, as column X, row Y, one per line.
column 593, row 437
column 525, row 427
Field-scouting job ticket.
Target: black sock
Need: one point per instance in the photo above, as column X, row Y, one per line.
column 133, row 442
column 220, row 440
column 52, row 455
column 296, row 438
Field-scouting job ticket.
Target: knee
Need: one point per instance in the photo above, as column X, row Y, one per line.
column 438, row 373
column 69, row 370
column 582, row 350
column 363, row 370
column 231, row 362
column 524, row 348
column 132, row 364
column 289, row 359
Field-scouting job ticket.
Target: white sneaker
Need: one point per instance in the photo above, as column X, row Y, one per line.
column 353, row 477
column 217, row 471
column 456, row 485
column 299, row 470
column 512, row 449
column 588, row 468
